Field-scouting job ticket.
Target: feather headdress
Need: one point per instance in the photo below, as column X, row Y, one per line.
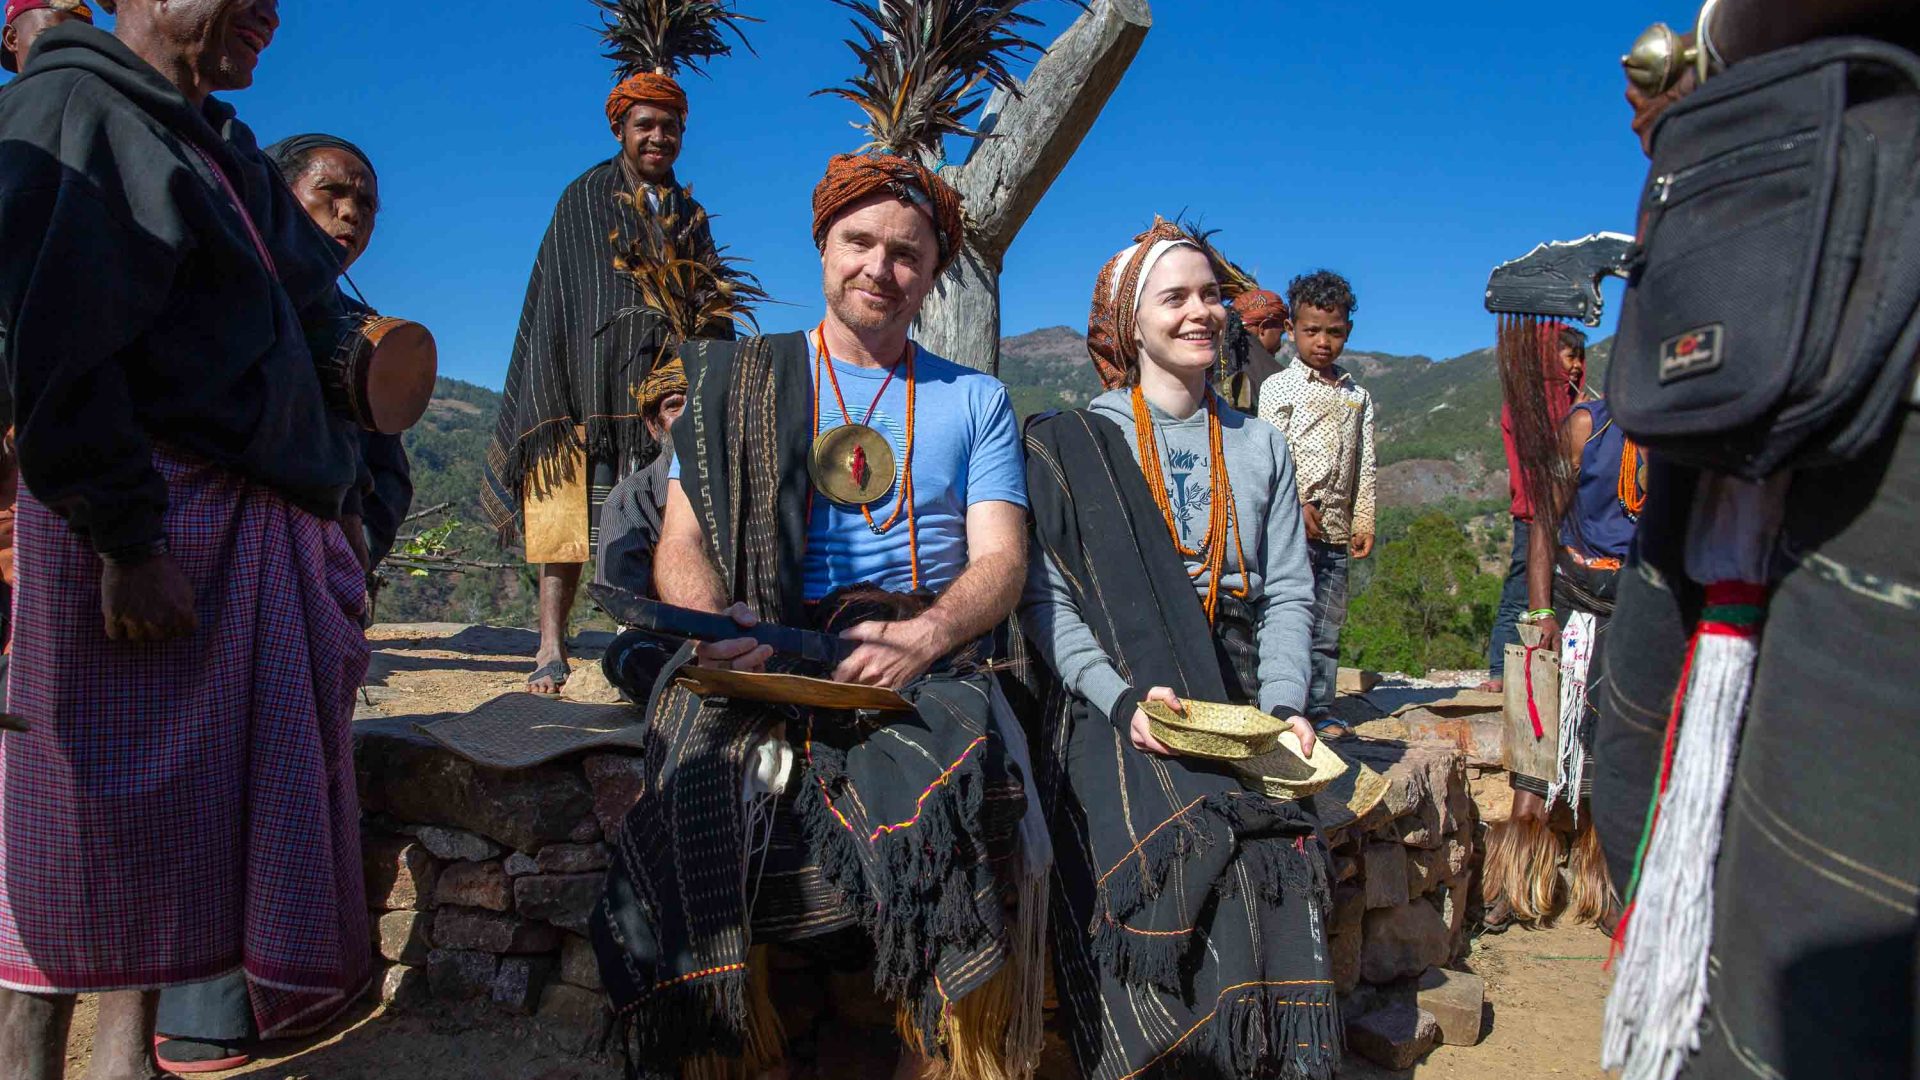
column 1233, row 280
column 661, row 37
column 695, row 287
column 926, row 65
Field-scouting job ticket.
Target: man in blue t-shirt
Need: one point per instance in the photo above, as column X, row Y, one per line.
column 956, row 448
column 847, row 480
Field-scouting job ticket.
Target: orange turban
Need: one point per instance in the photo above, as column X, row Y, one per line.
column 1116, row 296
column 852, row 177
column 1260, row 306
column 646, row 88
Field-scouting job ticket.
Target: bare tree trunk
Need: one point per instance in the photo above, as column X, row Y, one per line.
column 1029, row 141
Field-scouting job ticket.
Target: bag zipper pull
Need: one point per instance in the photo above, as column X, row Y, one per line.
column 1662, row 187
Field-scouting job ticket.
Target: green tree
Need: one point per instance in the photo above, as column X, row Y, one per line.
column 1427, row 604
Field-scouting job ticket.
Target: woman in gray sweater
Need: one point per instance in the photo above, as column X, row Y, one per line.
column 1171, row 564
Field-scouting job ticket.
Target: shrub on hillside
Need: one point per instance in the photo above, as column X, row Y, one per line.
column 1426, row 606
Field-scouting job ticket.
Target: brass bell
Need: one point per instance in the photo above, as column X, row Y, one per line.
column 1657, row 59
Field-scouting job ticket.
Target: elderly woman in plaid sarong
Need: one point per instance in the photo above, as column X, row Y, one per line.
column 187, row 641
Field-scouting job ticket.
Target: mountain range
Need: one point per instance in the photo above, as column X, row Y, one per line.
column 1439, row 442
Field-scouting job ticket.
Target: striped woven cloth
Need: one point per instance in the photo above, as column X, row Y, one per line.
column 187, row 808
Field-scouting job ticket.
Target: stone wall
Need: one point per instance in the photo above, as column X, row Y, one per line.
column 1405, row 900
column 481, row 880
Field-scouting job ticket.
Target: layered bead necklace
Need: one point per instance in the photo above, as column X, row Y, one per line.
column 1222, row 516
column 1632, row 483
column 852, row 450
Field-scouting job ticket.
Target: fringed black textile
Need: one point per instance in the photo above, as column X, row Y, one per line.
column 1190, row 913
column 906, row 826
column 582, row 348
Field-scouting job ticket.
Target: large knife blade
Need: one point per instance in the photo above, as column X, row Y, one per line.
column 632, row 610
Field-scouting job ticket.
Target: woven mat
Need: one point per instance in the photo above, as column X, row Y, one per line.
column 518, row 730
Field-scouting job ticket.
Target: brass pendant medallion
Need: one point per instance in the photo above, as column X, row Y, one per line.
column 852, row 465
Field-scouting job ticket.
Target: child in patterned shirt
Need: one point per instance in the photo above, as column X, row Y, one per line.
column 1328, row 421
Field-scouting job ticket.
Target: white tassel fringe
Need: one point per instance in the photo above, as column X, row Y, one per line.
column 1660, row 990
column 1576, row 656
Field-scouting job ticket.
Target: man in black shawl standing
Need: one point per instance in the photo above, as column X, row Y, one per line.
column 570, row 426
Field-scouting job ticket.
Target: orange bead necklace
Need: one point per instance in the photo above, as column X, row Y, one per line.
column 1222, row 516
column 904, row 502
column 1633, row 495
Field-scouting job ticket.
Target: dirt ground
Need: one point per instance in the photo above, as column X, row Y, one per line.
column 1544, row 988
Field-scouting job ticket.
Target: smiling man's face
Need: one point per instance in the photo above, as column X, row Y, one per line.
column 650, row 141
column 221, row 39
column 878, row 264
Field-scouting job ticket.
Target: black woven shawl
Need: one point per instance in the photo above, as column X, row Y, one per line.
column 907, row 823
column 582, row 346
column 1190, row 914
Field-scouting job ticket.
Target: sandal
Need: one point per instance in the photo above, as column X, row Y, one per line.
column 1498, row 918
column 557, row 671
column 185, row 1057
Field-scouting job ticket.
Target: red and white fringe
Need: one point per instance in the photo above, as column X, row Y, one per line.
column 1663, row 940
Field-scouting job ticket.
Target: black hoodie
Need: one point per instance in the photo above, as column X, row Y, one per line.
column 138, row 311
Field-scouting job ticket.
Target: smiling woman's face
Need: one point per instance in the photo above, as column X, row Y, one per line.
column 1181, row 314
column 342, row 196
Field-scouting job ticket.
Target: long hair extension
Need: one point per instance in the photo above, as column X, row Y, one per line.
column 1529, row 358
column 1523, row 867
column 1591, row 899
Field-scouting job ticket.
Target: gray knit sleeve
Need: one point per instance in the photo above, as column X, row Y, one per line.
column 1284, row 610
column 1052, row 622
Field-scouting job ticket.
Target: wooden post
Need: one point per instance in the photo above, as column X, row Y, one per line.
column 1029, row 140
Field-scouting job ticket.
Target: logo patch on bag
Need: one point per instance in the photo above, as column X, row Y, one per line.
column 1695, row 352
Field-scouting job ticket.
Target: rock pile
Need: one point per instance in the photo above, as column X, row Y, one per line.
column 1404, row 891
column 481, row 880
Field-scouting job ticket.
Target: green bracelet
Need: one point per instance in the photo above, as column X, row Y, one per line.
column 1539, row 613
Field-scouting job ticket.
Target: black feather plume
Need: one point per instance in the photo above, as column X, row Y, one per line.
column 664, row 36
column 693, row 286
column 1233, row 280
column 928, row 64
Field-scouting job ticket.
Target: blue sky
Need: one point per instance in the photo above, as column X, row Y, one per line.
column 1408, row 145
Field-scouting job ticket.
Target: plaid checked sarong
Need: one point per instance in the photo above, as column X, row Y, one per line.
column 187, row 808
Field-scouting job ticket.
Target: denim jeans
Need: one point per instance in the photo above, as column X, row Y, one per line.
column 218, row 1010
column 1513, row 602
column 1329, row 614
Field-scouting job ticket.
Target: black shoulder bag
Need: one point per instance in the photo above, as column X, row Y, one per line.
column 1770, row 320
